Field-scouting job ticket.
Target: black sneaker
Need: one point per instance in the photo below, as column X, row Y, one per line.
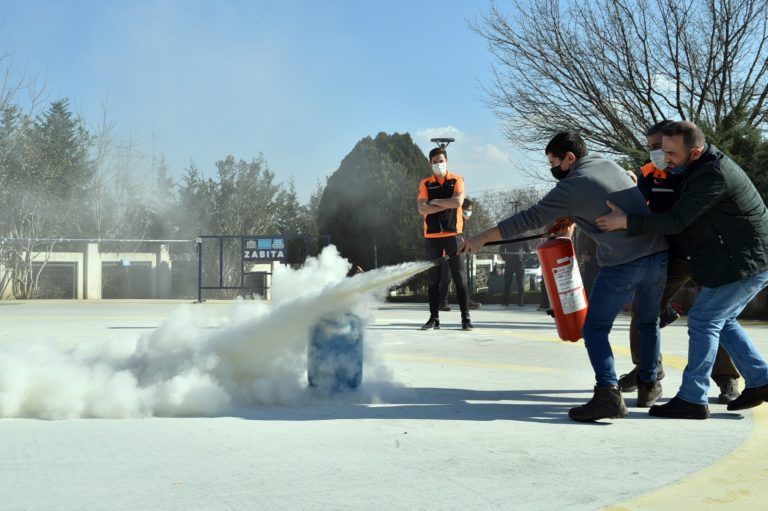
column 432, row 324
column 606, row 403
column 678, row 408
column 445, row 307
column 729, row 389
column 466, row 324
column 750, row 398
column 648, row 393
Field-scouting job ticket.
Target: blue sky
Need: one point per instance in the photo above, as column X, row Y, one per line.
column 299, row 81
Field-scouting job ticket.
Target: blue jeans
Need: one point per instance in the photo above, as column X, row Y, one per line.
column 713, row 318
column 646, row 278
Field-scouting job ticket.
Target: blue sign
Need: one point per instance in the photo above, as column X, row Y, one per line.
column 264, row 250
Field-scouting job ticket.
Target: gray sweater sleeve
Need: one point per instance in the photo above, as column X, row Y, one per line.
column 558, row 202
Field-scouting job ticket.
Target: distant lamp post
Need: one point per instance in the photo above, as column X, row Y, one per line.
column 442, row 142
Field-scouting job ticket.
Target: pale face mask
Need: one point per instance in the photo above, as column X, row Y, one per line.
column 657, row 158
column 467, row 214
column 440, row 169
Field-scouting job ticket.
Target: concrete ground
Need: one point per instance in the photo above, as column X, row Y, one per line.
column 480, row 422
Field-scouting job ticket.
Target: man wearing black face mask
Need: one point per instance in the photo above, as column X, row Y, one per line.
column 627, row 265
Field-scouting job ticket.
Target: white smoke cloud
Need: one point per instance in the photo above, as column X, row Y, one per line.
column 255, row 355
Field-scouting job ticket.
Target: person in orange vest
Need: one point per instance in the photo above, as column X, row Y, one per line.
column 439, row 201
column 660, row 185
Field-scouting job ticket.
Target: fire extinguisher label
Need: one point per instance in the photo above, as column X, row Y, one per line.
column 572, row 301
column 567, row 277
column 569, row 288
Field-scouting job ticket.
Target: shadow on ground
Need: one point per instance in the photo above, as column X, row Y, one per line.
column 536, row 406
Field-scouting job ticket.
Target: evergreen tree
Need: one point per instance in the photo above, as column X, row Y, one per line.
column 310, row 212
column 44, row 168
column 61, row 168
column 746, row 144
column 369, row 204
column 289, row 212
column 163, row 204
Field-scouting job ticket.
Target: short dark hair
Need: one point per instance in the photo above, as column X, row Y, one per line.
column 566, row 141
column 692, row 134
column 659, row 127
column 438, row 150
column 467, row 203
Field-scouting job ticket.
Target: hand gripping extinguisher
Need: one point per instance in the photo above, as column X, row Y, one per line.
column 564, row 286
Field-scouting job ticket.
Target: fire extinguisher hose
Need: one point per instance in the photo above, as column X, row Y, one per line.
column 517, row 240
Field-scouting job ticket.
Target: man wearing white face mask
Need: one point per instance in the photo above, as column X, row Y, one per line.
column 660, row 185
column 722, row 222
column 440, row 198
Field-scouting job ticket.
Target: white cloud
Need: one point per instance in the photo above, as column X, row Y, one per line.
column 483, row 163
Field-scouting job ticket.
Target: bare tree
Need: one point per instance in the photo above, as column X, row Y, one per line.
column 10, row 84
column 14, row 84
column 103, row 169
column 500, row 204
column 24, row 254
column 611, row 68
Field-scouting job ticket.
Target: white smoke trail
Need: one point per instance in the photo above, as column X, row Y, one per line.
column 256, row 355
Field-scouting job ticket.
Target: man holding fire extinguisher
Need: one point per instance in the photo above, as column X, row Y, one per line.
column 627, row 264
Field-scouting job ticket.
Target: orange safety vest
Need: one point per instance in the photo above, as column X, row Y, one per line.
column 449, row 222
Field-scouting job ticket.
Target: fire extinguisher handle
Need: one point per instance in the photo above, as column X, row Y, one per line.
column 562, row 223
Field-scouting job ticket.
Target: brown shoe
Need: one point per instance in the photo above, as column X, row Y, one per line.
column 628, row 382
column 648, row 393
column 606, row 403
column 729, row 389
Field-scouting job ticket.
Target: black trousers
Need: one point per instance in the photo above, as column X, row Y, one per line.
column 438, row 247
column 514, row 270
column 445, row 282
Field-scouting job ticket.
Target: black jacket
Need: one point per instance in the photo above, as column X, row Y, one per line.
column 721, row 218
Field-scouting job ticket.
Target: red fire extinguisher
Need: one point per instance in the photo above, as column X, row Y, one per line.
column 564, row 286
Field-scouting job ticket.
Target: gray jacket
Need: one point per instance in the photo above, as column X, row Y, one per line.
column 581, row 195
